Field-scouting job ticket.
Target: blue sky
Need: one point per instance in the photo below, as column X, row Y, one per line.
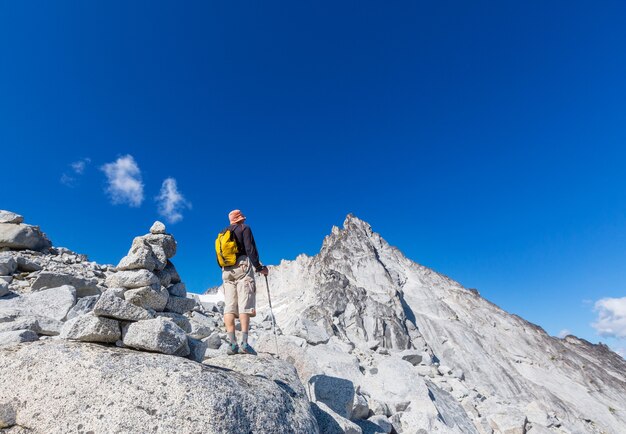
column 485, row 140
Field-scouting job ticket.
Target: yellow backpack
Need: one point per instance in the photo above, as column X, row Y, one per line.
column 226, row 248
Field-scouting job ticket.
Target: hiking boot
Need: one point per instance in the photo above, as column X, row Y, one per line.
column 232, row 349
column 245, row 348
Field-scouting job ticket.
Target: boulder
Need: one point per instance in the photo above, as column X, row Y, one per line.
column 117, row 390
column 10, row 217
column 178, row 289
column 157, row 228
column 148, row 297
column 23, row 237
column 112, row 306
column 330, row 422
column 50, row 279
column 140, row 256
column 4, row 288
column 132, row 279
column 47, row 326
column 160, row 334
column 8, row 264
column 17, row 337
column 83, row 306
column 180, row 304
column 91, row 328
column 53, row 303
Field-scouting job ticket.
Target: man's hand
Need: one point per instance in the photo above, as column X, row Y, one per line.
column 264, row 271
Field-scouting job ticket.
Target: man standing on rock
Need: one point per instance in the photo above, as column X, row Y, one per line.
column 239, row 284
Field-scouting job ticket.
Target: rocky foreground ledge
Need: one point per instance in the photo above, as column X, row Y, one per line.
column 60, row 386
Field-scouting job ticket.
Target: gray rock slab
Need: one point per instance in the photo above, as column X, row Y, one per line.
column 20, row 323
column 132, row 279
column 17, row 337
column 148, row 297
column 49, row 279
column 117, row 390
column 83, row 306
column 22, row 237
column 111, row 306
column 53, row 303
column 10, row 217
column 91, row 328
column 160, row 335
column 180, row 304
column 4, row 289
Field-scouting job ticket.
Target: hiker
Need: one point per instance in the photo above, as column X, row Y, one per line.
column 239, row 284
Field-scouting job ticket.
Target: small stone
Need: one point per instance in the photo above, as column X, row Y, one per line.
column 157, row 228
column 197, row 349
column 381, row 421
column 140, row 256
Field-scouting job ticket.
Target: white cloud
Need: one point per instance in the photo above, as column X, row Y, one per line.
column 171, row 202
column 124, row 181
column 564, row 333
column 611, row 321
column 79, row 166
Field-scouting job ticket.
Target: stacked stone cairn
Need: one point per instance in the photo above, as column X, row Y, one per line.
column 145, row 305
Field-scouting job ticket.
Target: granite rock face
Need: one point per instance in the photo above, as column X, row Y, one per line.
column 426, row 353
column 140, row 393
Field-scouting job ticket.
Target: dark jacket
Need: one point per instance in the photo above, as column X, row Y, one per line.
column 246, row 244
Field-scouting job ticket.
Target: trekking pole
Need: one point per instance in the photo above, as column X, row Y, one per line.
column 269, row 300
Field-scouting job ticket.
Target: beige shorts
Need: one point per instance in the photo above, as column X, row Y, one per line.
column 239, row 288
